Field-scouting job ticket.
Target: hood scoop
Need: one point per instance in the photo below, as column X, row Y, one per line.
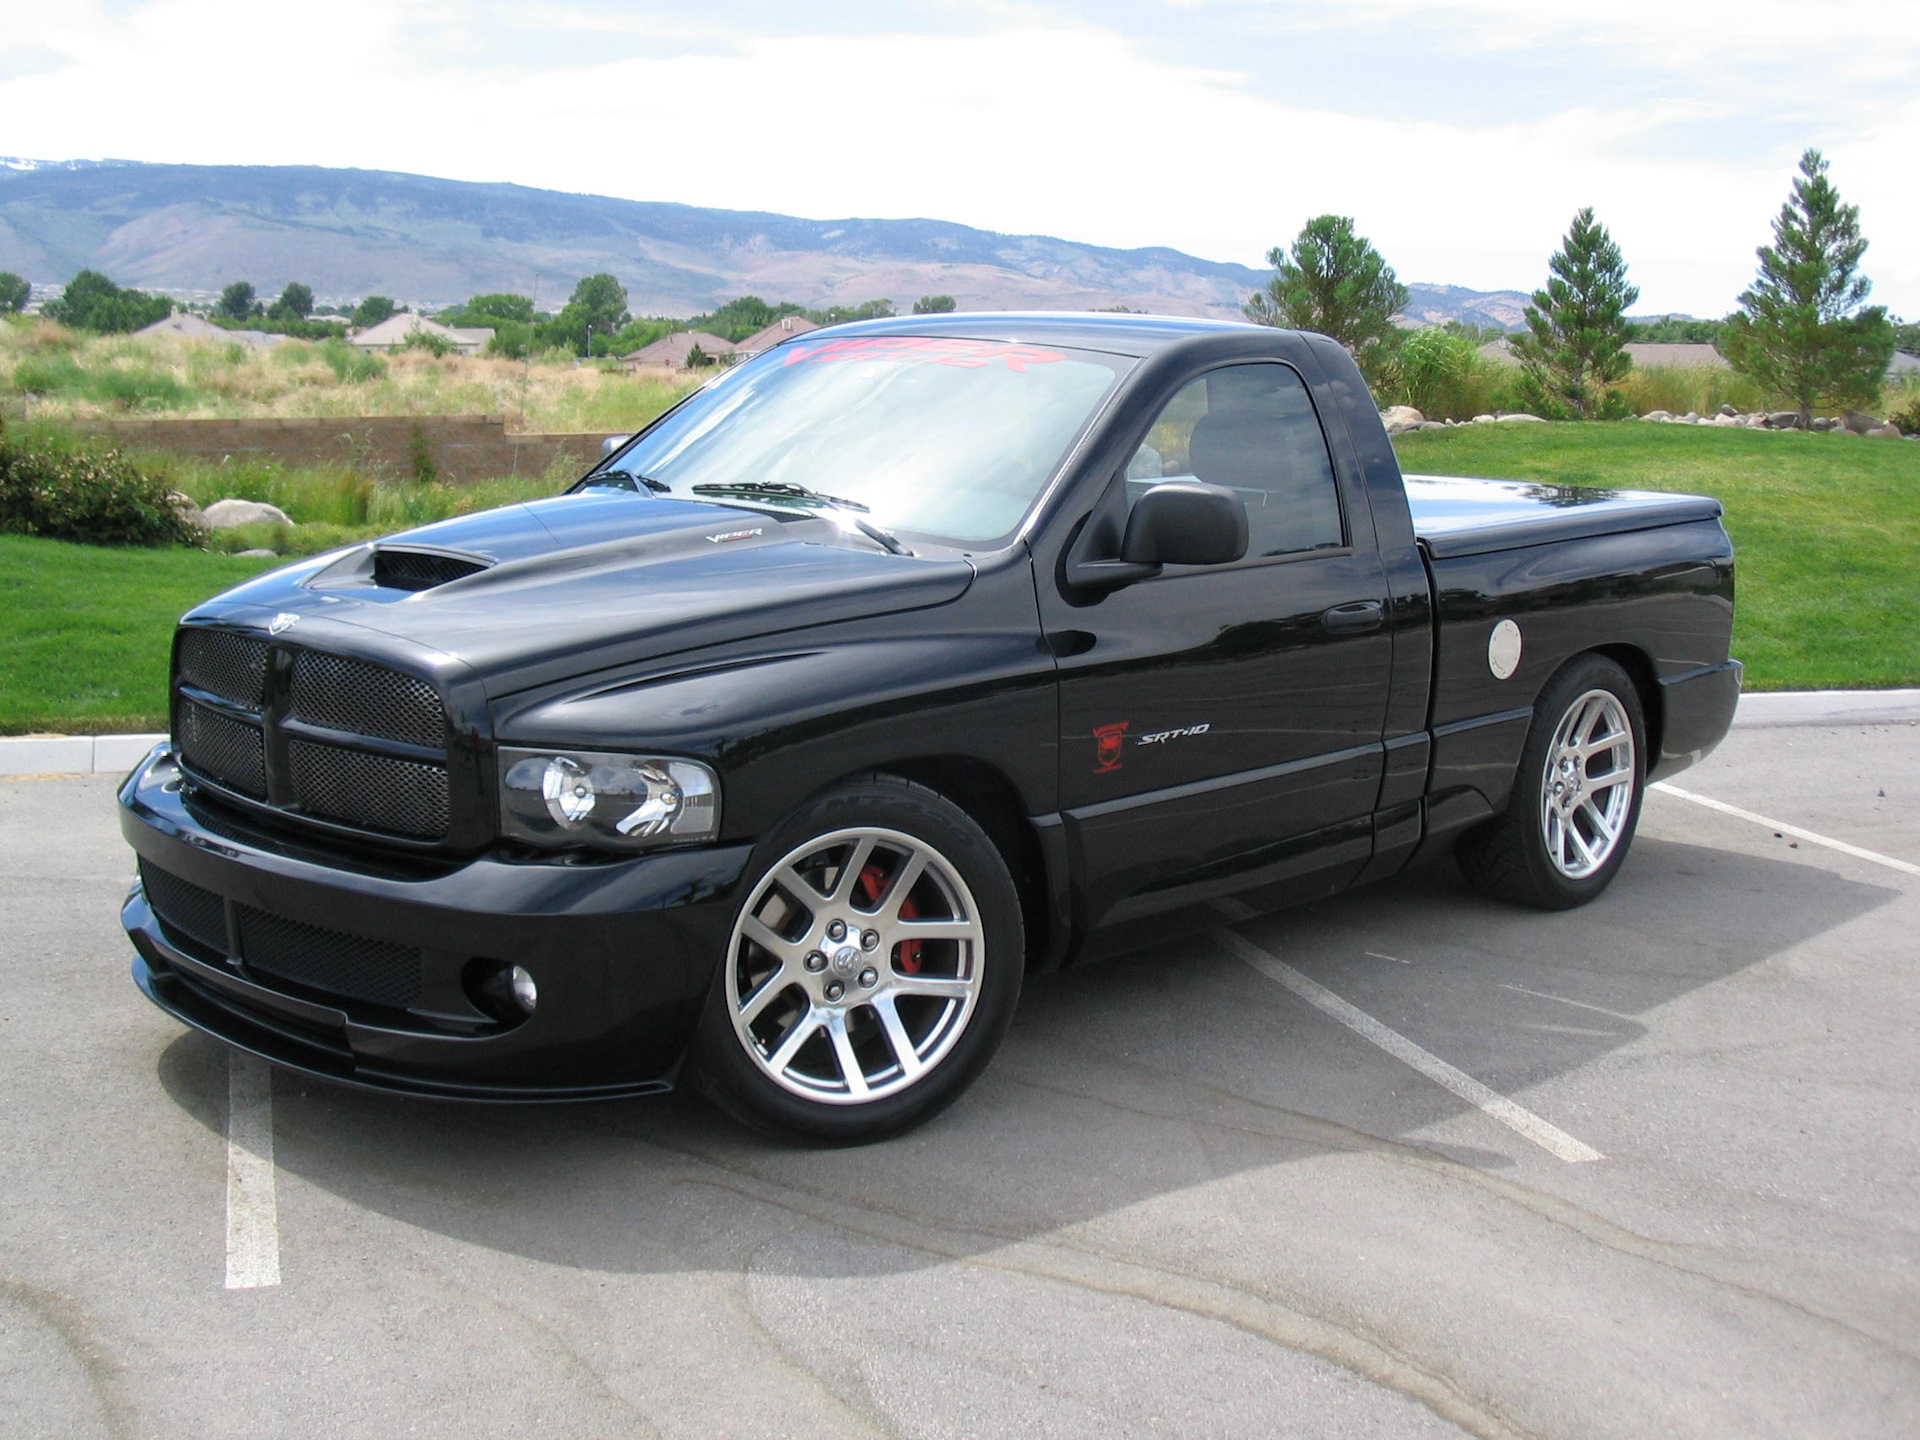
column 405, row 568
column 421, row 567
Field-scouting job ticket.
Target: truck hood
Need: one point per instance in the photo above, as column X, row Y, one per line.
column 582, row 582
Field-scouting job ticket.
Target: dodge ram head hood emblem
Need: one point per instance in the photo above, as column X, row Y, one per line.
column 282, row 623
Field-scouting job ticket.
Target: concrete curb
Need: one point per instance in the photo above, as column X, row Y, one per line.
column 1827, row 707
column 73, row 754
column 116, row 754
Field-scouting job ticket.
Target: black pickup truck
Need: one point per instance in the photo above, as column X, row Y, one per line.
column 884, row 669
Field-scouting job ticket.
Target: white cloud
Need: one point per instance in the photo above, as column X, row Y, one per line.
column 1052, row 128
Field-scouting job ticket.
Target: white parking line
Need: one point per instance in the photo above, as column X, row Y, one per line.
column 1781, row 827
column 1517, row 1118
column 253, row 1221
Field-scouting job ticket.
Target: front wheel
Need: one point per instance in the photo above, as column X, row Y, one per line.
column 871, row 971
column 1576, row 798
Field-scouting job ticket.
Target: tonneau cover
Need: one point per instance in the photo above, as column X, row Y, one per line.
column 1471, row 517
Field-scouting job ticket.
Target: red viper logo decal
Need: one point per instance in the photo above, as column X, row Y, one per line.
column 1108, row 741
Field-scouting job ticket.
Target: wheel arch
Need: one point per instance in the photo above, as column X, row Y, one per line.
column 992, row 801
column 1639, row 667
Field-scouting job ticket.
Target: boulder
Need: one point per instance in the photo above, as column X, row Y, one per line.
column 1658, row 415
column 1692, row 417
column 1723, row 419
column 225, row 514
column 1784, row 420
column 187, row 510
column 1824, row 422
column 1485, row 419
column 1858, row 423
column 1520, row 417
column 1401, row 418
column 1888, row 431
column 1729, row 410
column 250, row 554
column 1433, row 425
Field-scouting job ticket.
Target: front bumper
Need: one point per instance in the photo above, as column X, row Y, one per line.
column 623, row 952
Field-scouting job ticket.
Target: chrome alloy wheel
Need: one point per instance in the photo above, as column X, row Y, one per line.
column 855, row 965
column 1586, row 793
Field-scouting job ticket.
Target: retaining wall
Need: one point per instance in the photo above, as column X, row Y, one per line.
column 458, row 448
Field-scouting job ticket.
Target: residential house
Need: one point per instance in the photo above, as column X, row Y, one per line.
column 785, row 328
column 395, row 331
column 675, row 350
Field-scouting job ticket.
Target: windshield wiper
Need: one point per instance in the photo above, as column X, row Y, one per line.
column 782, row 490
column 627, row 480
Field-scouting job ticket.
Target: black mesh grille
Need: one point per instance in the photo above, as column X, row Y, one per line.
column 402, row 797
column 230, row 751
column 234, row 667
column 344, row 694
column 419, row 570
column 187, row 910
column 350, row 965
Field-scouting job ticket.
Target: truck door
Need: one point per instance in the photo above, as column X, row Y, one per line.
column 1221, row 726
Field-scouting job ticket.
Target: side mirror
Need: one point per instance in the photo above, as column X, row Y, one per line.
column 612, row 443
column 1186, row 522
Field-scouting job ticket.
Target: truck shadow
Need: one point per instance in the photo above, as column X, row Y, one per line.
column 1170, row 1067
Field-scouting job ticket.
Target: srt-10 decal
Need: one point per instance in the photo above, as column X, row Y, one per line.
column 1110, row 742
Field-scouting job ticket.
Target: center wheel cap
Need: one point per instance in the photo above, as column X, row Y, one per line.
column 845, row 961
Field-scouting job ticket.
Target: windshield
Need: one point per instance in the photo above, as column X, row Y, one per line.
column 948, row 438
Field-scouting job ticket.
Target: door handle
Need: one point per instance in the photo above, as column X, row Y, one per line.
column 1355, row 617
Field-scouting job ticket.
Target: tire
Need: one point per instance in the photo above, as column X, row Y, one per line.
column 1576, row 797
column 871, row 971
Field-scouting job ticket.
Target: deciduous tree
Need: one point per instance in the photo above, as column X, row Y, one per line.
column 14, row 293
column 236, row 302
column 1802, row 331
column 295, row 302
column 1577, row 326
column 372, row 310
column 1334, row 282
column 93, row 302
column 935, row 305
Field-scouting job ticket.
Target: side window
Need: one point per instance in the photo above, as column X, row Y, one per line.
column 1253, row 429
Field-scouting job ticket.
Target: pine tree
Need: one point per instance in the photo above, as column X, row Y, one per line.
column 1577, row 326
column 1797, row 333
column 1334, row 282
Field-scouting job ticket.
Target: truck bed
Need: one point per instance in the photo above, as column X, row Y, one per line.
column 1454, row 516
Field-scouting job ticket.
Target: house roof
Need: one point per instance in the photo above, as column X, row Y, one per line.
column 674, row 349
column 185, row 326
column 396, row 329
column 784, row 328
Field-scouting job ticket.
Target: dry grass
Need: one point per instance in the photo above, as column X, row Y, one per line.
column 76, row 377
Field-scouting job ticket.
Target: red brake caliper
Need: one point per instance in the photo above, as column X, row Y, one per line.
column 873, row 882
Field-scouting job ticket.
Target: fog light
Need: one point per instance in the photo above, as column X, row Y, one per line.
column 525, row 993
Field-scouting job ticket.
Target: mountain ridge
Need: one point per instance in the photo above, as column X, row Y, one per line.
column 189, row 229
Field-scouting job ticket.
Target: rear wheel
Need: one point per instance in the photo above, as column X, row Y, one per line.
column 1576, row 798
column 871, row 971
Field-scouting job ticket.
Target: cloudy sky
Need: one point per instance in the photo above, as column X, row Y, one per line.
column 1460, row 134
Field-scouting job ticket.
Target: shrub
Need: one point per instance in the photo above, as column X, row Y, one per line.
column 351, row 365
column 1442, row 375
column 96, row 499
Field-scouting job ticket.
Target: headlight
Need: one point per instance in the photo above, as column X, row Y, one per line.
column 625, row 802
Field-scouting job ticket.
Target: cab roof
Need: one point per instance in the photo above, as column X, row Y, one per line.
column 1136, row 335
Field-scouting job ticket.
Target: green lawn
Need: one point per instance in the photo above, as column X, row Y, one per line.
column 1826, row 529
column 84, row 631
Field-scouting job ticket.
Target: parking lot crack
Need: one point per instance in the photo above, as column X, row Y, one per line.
column 69, row 1320
column 1093, row 1270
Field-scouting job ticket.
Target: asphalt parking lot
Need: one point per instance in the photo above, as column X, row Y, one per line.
column 1195, row 1196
